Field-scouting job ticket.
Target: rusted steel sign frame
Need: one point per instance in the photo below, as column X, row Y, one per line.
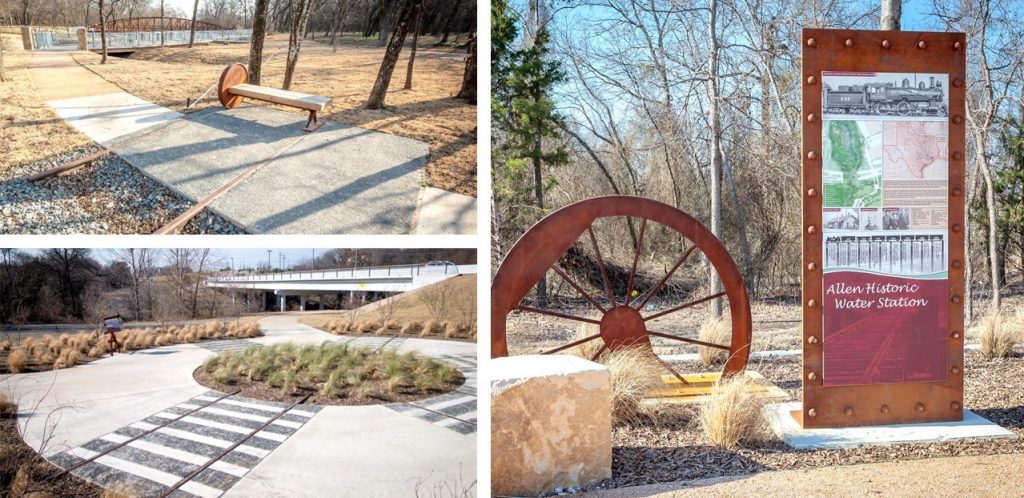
column 623, row 321
column 896, row 52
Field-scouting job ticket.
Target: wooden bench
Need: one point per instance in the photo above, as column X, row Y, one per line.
column 233, row 88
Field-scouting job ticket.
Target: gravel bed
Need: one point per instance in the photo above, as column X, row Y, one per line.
column 108, row 196
column 672, row 447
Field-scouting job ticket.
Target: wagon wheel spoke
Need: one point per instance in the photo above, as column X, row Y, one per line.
column 598, row 353
column 572, row 344
column 664, row 279
column 686, row 339
column 684, row 306
column 636, row 258
column 600, row 262
column 556, row 314
column 669, row 368
column 579, row 289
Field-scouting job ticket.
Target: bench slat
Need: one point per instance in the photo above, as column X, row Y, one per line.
column 283, row 97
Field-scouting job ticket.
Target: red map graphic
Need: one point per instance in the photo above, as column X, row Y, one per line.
column 887, row 344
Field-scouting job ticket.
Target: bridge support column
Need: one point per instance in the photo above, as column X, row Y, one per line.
column 26, row 38
column 321, row 302
column 283, row 300
column 302, row 303
column 83, row 43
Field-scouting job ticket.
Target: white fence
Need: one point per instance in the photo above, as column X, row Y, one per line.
column 133, row 39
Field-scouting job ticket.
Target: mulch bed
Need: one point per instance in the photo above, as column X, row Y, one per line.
column 15, row 454
column 673, row 447
column 262, row 390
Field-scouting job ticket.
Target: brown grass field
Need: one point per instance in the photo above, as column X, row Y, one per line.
column 429, row 112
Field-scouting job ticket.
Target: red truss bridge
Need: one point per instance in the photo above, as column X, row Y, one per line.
column 143, row 24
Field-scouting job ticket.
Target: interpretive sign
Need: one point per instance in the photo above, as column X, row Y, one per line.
column 883, row 172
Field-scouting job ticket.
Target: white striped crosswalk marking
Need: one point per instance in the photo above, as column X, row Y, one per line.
column 235, row 402
column 241, row 415
column 184, row 456
column 226, row 427
column 445, row 404
column 199, row 438
column 159, row 476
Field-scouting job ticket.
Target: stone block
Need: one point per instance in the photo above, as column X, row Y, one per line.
column 551, row 423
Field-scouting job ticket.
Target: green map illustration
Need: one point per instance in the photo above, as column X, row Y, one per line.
column 852, row 169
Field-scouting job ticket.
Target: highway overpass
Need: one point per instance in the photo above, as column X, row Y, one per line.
column 366, row 280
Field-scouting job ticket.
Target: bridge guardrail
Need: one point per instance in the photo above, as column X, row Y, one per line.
column 133, row 39
column 367, row 272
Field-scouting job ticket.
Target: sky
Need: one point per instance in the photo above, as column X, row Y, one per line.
column 182, row 5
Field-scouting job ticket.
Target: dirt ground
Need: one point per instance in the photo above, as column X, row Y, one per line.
column 429, row 112
column 31, row 130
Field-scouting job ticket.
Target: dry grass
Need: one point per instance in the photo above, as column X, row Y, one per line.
column 588, row 350
column 31, row 130
column 429, row 112
column 633, row 372
column 716, row 331
column 16, row 361
column 998, row 334
column 408, row 307
column 731, row 413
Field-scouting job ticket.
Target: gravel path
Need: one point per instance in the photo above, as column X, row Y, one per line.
column 109, row 196
column 673, row 447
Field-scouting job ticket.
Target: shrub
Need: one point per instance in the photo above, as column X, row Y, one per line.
column 588, row 349
column 72, row 357
column 96, row 351
column 731, row 413
column 716, row 331
column 998, row 335
column 5, row 346
column 634, row 371
column 17, row 360
column 381, row 331
column 451, row 330
column 428, row 328
column 365, row 327
column 223, row 375
column 411, row 328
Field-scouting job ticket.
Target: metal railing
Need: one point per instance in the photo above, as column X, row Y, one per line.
column 133, row 39
column 365, row 272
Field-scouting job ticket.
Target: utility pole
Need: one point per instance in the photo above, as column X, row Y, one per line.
column 268, row 260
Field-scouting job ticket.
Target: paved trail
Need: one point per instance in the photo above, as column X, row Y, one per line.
column 982, row 476
column 383, row 450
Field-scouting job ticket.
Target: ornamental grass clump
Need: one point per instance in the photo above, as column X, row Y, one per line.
column 731, row 414
column 998, row 334
column 716, row 331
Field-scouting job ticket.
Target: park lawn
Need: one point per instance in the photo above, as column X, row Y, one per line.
column 429, row 112
column 409, row 306
column 31, row 130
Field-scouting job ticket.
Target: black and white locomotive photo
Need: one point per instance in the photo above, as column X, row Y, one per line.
column 885, row 94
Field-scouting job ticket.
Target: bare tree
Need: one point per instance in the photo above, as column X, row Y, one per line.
column 300, row 17
column 468, row 90
column 386, row 309
column 435, row 297
column 387, row 66
column 412, row 51
column 259, row 33
column 140, row 263
column 714, row 115
column 201, row 257
column 192, row 29
column 103, row 33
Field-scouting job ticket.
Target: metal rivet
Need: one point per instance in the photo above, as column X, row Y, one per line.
column 812, row 339
column 921, row 44
column 958, row 155
column 955, row 370
column 957, row 119
column 920, row 407
column 811, row 80
column 812, row 154
column 954, row 405
column 811, row 376
column 957, row 82
column 886, row 44
column 810, row 117
column 957, row 191
column 811, row 229
column 811, row 192
column 849, row 411
column 811, row 412
column 957, row 263
column 958, row 46
column 884, row 409
column 812, row 303
column 956, row 299
column 811, row 42
column 956, row 227
column 849, row 42
column 955, row 334
column 811, row 266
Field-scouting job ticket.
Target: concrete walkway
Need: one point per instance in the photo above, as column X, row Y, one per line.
column 987, row 475
column 383, row 450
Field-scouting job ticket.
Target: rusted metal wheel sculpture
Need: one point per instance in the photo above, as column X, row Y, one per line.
column 623, row 321
column 234, row 74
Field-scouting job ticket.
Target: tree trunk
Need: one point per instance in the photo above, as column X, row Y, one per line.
column 192, row 31
column 3, row 77
column 387, row 66
column 716, row 147
column 538, row 192
column 993, row 232
column 298, row 32
column 334, row 27
column 103, row 34
column 161, row 23
column 891, row 13
column 468, row 90
column 415, row 40
column 448, row 22
column 259, row 32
